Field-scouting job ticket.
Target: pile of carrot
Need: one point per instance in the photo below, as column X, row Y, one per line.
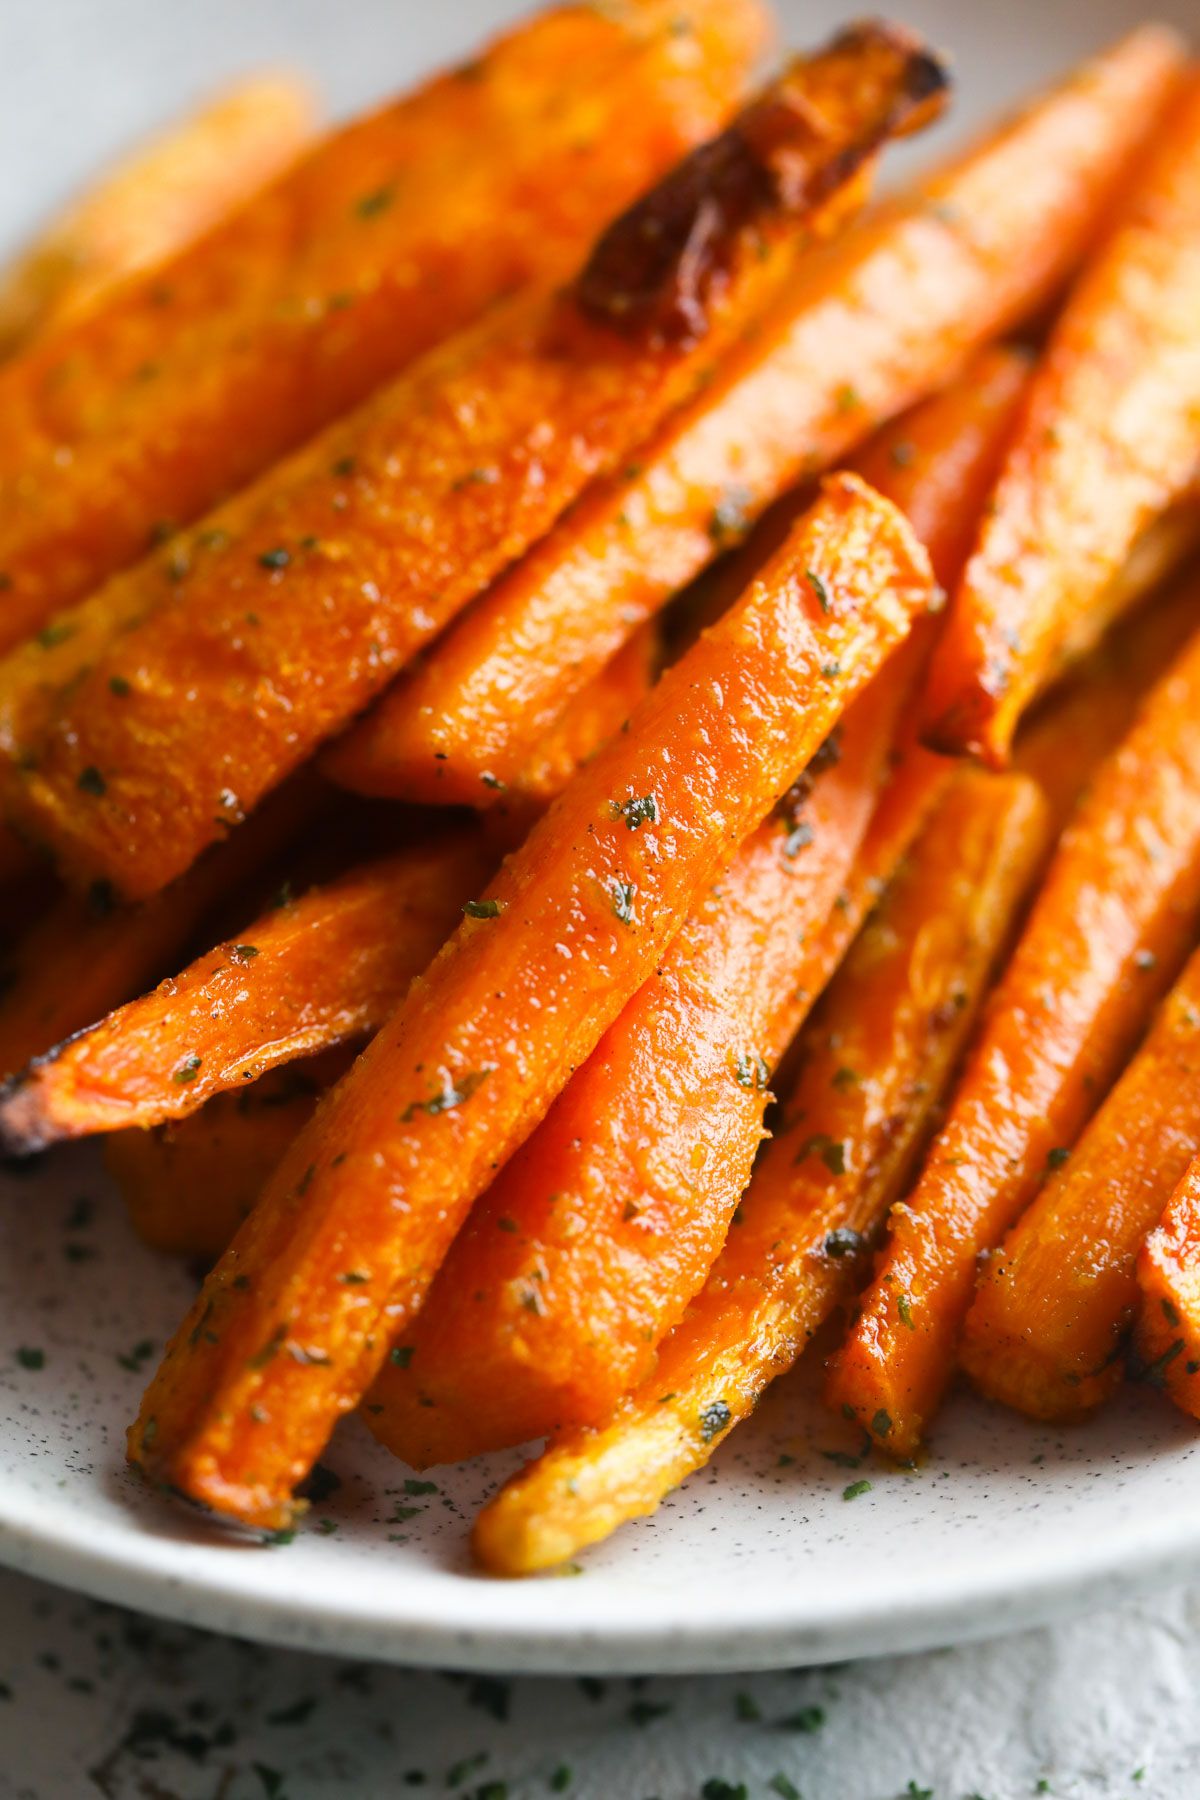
column 641, row 707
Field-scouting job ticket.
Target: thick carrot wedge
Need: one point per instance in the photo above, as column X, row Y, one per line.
column 878, row 1055
column 869, row 325
column 1167, row 1342
column 187, row 1186
column 585, row 1250
column 153, row 203
column 341, row 1250
column 334, row 570
column 1109, row 441
column 1107, row 932
column 588, row 1246
column 317, row 971
column 84, row 955
column 1055, row 1302
column 393, row 232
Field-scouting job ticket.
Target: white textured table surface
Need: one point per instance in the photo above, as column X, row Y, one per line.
column 97, row 1701
column 94, row 1700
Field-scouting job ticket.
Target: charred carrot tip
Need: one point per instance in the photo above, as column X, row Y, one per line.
column 656, row 267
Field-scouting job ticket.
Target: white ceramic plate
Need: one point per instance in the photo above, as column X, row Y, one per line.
column 756, row 1562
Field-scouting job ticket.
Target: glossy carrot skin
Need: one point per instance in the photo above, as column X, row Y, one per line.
column 188, row 1185
column 870, row 324
column 1055, row 1303
column 1108, row 443
column 1108, row 929
column 390, row 234
column 878, row 1054
column 1167, row 1340
column 375, row 1190
column 154, row 202
column 588, row 1246
column 332, row 572
column 312, row 973
column 586, row 1249
column 588, row 722
column 84, row 955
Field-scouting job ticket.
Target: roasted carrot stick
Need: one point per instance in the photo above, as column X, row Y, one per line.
column 85, row 955
column 588, row 1246
column 154, row 202
column 1107, row 932
column 1167, row 1342
column 1056, row 1301
column 589, row 721
column 188, row 1185
column 878, row 1055
column 270, row 640
column 393, row 232
column 586, row 1249
column 340, row 1251
column 868, row 326
column 1108, row 443
column 323, row 968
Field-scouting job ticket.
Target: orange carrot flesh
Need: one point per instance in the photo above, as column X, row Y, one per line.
column 1167, row 1341
column 334, row 570
column 314, row 972
column 160, row 198
column 84, row 955
column 1108, row 443
column 1055, row 1303
column 393, row 232
column 869, row 325
column 879, row 1052
column 586, row 1249
column 1107, row 931
column 341, row 1250
column 187, row 1186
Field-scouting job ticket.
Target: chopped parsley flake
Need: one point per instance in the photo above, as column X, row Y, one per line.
column 623, row 893
column 482, row 909
column 831, row 1152
column 187, row 1071
column 855, row 1489
column 636, row 812
column 750, row 1071
column 713, row 1420
column 819, row 589
column 30, row 1358
column 91, row 781
column 808, row 1719
column 401, row 1355
column 279, row 558
column 452, row 1094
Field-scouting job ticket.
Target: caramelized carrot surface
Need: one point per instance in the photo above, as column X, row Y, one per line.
column 1107, row 932
column 188, row 1185
column 1167, row 1342
column 584, row 1252
column 869, row 325
column 316, row 971
column 390, row 234
column 589, row 1244
column 1056, row 1301
column 878, row 1054
column 319, row 583
column 341, row 1250
column 154, row 202
column 588, row 722
column 1110, row 440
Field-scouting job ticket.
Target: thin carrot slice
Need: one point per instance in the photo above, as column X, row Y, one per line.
column 187, row 1186
column 264, row 644
column 160, row 198
column 340, row 1252
column 323, row 968
column 1055, row 1302
column 393, row 232
column 868, row 326
column 1107, row 932
column 84, row 954
column 1167, row 1341
column 586, row 1249
column 1109, row 442
column 879, row 1052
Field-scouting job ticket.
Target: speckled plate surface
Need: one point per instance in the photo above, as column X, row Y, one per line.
column 758, row 1561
